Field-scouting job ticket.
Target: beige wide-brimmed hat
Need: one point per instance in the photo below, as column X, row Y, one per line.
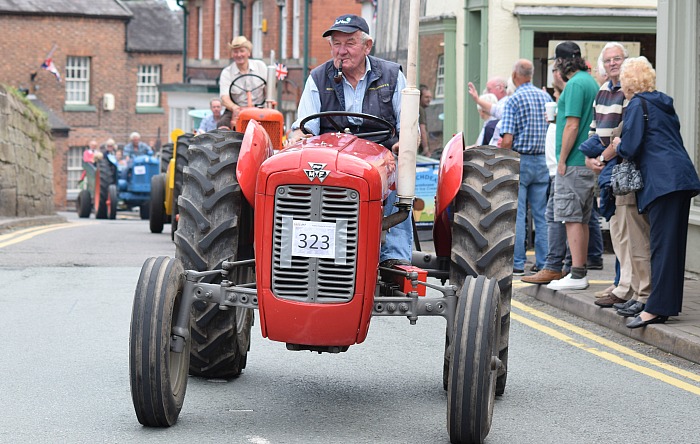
column 241, row 42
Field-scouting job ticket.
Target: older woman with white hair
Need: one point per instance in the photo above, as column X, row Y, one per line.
column 651, row 138
column 489, row 121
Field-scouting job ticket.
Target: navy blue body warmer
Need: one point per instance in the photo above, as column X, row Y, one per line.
column 381, row 83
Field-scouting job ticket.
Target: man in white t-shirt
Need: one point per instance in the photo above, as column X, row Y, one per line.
column 241, row 49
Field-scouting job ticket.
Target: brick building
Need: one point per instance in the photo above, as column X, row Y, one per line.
column 111, row 56
column 212, row 24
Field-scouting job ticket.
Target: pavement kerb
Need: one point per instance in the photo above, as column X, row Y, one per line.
column 14, row 223
column 580, row 303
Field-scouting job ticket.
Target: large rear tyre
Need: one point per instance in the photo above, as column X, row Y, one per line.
column 158, row 375
column 166, row 153
column 483, row 230
column 107, row 178
column 181, row 161
column 471, row 387
column 215, row 225
column 84, row 204
column 157, row 214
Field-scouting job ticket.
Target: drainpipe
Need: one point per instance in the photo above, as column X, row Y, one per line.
column 181, row 4
column 307, row 31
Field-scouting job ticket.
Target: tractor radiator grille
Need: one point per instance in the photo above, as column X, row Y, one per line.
column 312, row 279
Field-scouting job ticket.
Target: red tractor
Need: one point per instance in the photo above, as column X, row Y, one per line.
column 299, row 241
column 297, row 236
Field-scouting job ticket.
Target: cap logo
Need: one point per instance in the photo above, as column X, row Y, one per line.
column 343, row 21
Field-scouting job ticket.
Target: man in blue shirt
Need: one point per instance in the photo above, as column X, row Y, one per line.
column 524, row 129
column 354, row 81
column 209, row 123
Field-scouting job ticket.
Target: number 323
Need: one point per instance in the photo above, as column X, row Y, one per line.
column 311, row 242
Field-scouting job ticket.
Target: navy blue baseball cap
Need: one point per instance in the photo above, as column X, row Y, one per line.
column 348, row 23
column 566, row 50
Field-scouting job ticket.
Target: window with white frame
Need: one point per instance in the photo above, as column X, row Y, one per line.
column 147, row 85
column 440, row 78
column 296, row 28
column 257, row 29
column 74, row 166
column 77, row 80
column 180, row 118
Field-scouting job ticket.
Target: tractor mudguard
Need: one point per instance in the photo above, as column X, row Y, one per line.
column 255, row 149
column 449, row 181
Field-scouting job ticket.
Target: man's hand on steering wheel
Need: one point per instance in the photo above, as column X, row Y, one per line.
column 387, row 132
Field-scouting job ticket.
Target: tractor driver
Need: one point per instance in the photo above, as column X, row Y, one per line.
column 241, row 49
column 359, row 83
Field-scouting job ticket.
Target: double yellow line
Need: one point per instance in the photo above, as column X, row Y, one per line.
column 28, row 233
column 648, row 370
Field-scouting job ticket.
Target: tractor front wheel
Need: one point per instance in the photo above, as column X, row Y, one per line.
column 471, row 387
column 158, row 375
column 84, row 204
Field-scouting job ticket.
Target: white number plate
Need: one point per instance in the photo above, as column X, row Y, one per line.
column 313, row 239
column 139, row 169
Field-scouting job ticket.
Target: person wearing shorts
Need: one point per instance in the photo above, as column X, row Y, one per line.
column 574, row 182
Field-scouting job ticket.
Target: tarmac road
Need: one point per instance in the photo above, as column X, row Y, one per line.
column 66, row 302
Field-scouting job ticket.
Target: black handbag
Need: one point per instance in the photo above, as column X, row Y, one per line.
column 626, row 178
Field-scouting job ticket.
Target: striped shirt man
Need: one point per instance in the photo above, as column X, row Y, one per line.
column 608, row 106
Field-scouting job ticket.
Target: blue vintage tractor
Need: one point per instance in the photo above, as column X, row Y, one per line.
column 107, row 186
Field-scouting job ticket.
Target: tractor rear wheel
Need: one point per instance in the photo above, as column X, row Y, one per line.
column 158, row 375
column 84, row 204
column 107, row 178
column 181, row 161
column 483, row 230
column 215, row 226
column 157, row 203
column 471, row 387
column 166, row 153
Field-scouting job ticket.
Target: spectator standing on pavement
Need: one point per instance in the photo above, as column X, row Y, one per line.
column 241, row 49
column 425, row 98
column 574, row 183
column 524, row 130
column 210, row 122
column 135, row 147
column 629, row 230
column 556, row 232
column 651, row 138
column 490, row 122
column 497, row 86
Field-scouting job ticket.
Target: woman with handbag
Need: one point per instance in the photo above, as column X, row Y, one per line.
column 651, row 139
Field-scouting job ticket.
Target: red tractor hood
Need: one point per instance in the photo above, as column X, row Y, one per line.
column 334, row 159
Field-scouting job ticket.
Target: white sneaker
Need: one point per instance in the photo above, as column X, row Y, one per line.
column 569, row 283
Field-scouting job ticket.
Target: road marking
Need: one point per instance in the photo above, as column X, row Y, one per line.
column 605, row 342
column 28, row 233
column 609, row 356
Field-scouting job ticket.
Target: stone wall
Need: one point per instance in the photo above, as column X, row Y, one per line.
column 26, row 159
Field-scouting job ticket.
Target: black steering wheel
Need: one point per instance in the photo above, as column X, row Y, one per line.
column 237, row 83
column 382, row 135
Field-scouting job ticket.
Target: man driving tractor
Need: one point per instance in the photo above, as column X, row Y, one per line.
column 253, row 74
column 354, row 81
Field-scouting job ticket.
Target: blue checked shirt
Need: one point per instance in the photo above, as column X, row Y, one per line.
column 524, row 118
